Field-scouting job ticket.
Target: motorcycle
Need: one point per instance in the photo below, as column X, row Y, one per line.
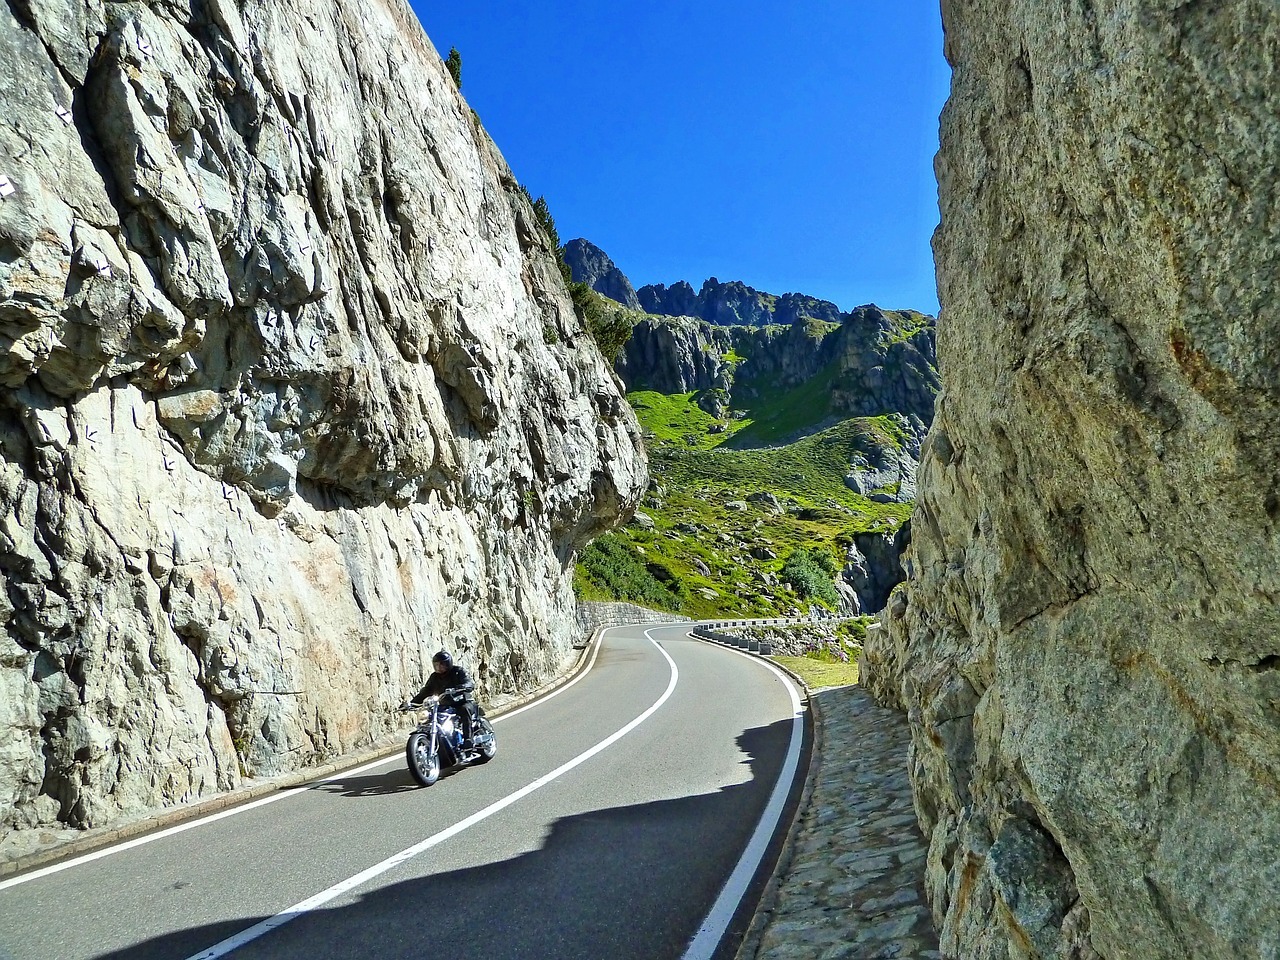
column 436, row 743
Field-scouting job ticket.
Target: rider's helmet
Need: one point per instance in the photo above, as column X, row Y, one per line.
column 444, row 659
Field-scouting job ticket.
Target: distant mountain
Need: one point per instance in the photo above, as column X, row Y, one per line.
column 790, row 380
column 778, row 428
column 734, row 304
column 592, row 266
column 795, row 362
column 725, row 304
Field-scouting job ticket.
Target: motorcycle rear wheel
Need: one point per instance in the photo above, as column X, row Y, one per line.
column 423, row 764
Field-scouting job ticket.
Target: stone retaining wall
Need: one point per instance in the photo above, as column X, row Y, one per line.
column 593, row 615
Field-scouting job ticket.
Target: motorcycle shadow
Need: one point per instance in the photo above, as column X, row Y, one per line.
column 377, row 785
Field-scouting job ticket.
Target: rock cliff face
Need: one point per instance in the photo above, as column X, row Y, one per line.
column 878, row 361
column 734, row 303
column 592, row 266
column 1089, row 641
column 293, row 395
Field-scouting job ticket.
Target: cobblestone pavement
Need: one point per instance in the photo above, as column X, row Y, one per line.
column 851, row 885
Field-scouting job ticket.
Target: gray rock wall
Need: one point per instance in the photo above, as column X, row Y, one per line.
column 1089, row 643
column 595, row 614
column 292, row 395
column 675, row 356
column 872, row 568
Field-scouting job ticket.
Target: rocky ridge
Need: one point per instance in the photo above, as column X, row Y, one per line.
column 1087, row 645
column 590, row 265
column 878, row 361
column 292, row 395
column 767, row 386
column 733, row 303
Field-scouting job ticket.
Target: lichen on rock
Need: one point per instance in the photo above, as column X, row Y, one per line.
column 278, row 417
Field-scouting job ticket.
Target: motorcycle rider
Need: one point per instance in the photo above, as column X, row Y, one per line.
column 451, row 683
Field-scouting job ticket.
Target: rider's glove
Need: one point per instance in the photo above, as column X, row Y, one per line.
column 406, row 705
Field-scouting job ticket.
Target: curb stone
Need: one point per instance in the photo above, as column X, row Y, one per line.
column 797, row 914
column 768, row 902
column 750, row 944
column 386, row 746
column 854, row 888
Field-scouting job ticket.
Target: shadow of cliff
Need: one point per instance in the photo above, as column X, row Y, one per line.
column 626, row 883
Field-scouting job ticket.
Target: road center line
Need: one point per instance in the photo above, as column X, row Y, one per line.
column 344, row 886
column 707, row 939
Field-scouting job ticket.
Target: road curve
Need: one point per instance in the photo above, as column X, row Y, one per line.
column 609, row 825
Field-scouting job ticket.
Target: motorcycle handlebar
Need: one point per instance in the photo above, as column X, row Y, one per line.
column 408, row 706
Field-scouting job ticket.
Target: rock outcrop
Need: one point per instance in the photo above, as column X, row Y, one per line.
column 874, row 361
column 884, row 468
column 873, row 567
column 1088, row 644
column 676, row 356
column 292, row 395
column 591, row 265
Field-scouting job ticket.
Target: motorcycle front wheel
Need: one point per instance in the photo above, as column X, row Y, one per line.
column 423, row 764
column 490, row 745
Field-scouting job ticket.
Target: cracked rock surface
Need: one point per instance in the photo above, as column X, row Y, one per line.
column 1088, row 645
column 291, row 395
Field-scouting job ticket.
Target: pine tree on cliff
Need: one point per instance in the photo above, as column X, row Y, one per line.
column 454, row 66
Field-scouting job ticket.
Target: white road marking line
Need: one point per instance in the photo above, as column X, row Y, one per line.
column 139, row 841
column 707, row 939
column 272, row 798
column 559, row 690
column 338, row 889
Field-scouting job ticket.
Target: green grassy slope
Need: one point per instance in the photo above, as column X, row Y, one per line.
column 700, row 547
column 734, row 496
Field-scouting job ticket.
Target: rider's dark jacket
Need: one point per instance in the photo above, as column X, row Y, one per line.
column 455, row 679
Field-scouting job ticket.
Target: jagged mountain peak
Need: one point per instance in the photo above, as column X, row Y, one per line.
column 721, row 302
column 733, row 302
column 592, row 266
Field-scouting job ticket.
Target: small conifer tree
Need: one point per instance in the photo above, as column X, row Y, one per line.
column 454, row 65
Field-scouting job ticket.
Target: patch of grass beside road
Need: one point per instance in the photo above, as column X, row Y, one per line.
column 819, row 674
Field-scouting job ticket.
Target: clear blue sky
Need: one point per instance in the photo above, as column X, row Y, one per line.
column 789, row 146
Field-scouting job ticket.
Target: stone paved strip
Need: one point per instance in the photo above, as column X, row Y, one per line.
column 851, row 886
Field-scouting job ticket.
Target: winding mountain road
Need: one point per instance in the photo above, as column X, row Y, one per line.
column 628, row 815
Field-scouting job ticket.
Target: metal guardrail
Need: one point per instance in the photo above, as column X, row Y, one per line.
column 763, row 648
column 775, row 622
column 714, row 630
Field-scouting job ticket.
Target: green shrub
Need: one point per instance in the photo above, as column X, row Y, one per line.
column 811, row 574
column 853, row 631
column 609, row 564
column 611, row 328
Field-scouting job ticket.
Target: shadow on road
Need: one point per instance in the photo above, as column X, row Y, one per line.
column 625, row 883
column 398, row 780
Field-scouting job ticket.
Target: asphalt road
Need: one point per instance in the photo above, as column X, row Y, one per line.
column 607, row 826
